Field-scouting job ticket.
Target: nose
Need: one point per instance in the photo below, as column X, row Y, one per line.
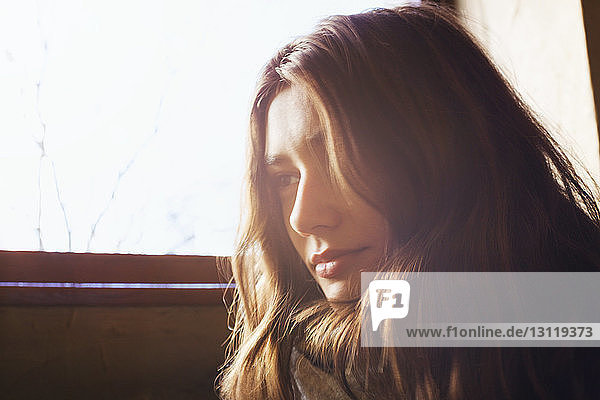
column 317, row 207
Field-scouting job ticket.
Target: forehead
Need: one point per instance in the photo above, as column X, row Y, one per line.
column 292, row 121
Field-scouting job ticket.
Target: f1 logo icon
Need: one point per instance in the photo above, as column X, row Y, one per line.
column 389, row 300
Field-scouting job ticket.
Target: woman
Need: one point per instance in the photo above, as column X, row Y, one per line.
column 387, row 141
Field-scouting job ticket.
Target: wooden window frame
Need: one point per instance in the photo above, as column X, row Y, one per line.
column 73, row 269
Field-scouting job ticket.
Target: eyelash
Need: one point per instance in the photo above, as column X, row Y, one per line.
column 277, row 180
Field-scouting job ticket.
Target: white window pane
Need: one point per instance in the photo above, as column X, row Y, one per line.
column 122, row 123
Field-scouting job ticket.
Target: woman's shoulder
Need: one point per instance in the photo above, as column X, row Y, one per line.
column 313, row 383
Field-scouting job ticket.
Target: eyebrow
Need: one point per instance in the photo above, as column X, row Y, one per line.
column 314, row 140
column 275, row 159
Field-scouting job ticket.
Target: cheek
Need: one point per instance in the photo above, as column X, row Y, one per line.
column 298, row 241
column 374, row 225
column 286, row 211
column 286, row 202
column 381, row 228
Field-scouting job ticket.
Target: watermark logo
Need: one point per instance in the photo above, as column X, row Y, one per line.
column 480, row 309
column 389, row 300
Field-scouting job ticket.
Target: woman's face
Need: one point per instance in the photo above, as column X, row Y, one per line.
column 336, row 232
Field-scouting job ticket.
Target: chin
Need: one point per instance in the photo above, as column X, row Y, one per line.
column 340, row 290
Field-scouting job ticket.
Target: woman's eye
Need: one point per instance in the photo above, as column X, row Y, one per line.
column 284, row 180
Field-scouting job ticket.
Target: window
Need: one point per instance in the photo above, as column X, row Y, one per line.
column 123, row 122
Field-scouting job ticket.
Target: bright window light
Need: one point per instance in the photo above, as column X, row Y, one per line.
column 123, row 122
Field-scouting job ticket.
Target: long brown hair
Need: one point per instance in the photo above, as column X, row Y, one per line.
column 419, row 122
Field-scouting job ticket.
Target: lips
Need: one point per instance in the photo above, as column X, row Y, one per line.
column 331, row 263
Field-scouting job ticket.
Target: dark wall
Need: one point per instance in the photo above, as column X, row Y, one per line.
column 110, row 352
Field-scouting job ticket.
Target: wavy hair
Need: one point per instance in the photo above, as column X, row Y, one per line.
column 418, row 121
